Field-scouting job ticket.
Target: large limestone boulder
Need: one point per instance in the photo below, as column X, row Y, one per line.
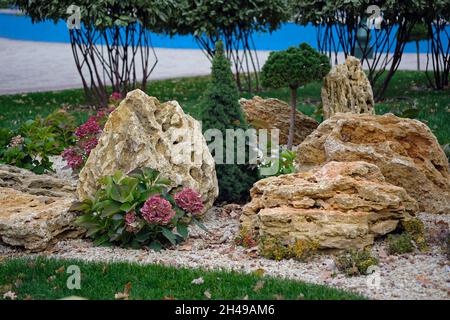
column 343, row 205
column 347, row 89
column 275, row 114
column 33, row 221
column 142, row 132
column 405, row 150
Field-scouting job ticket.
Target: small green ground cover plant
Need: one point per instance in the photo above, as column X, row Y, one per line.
column 135, row 210
column 356, row 262
column 411, row 236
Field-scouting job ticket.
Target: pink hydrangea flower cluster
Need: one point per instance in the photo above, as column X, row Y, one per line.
column 90, row 127
column 131, row 221
column 73, row 159
column 189, row 200
column 116, row 96
column 87, row 139
column 157, row 210
column 89, row 145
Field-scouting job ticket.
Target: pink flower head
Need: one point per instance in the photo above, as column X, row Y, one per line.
column 90, row 145
column 73, row 159
column 130, row 217
column 157, row 210
column 189, row 200
column 116, row 96
column 90, row 127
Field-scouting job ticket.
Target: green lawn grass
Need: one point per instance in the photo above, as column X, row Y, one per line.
column 407, row 89
column 43, row 278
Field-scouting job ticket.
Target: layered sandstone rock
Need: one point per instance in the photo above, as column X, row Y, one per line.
column 275, row 114
column 33, row 221
column 28, row 182
column 142, row 132
column 347, row 89
column 405, row 150
column 343, row 205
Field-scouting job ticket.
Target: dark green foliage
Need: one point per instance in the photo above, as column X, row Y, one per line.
column 356, row 262
column 294, row 67
column 399, row 244
column 36, row 140
column 220, row 110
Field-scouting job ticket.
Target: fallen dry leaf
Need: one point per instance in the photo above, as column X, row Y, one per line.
column 207, row 294
column 259, row 272
column 168, row 298
column 198, row 281
column 278, row 297
column 10, row 295
column 259, row 285
column 125, row 295
column 60, row 270
column 245, row 297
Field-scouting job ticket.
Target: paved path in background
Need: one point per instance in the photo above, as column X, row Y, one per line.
column 27, row 66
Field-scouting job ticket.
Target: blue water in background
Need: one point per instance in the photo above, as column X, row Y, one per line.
column 20, row 27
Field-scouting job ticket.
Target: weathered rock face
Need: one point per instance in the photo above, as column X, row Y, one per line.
column 28, row 182
column 275, row 114
column 343, row 205
column 347, row 89
column 142, row 132
column 405, row 150
column 33, row 221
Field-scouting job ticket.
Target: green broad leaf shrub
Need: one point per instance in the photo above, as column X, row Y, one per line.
column 294, row 68
column 354, row 263
column 284, row 162
column 135, row 210
column 220, row 110
column 36, row 140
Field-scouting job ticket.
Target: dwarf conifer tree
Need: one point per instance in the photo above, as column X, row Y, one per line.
column 221, row 110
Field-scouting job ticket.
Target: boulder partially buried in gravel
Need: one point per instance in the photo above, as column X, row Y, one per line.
column 142, row 132
column 343, row 205
column 33, row 221
column 405, row 150
column 275, row 114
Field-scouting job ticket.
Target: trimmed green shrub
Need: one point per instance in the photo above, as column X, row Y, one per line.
column 221, row 110
column 294, row 68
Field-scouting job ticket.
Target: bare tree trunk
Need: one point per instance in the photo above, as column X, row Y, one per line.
column 418, row 55
column 292, row 117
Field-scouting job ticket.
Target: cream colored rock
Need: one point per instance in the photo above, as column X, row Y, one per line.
column 275, row 114
column 405, row 150
column 142, row 132
column 343, row 205
column 347, row 89
column 33, row 221
column 28, row 182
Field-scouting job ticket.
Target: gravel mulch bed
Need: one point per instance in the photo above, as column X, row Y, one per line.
column 411, row 276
